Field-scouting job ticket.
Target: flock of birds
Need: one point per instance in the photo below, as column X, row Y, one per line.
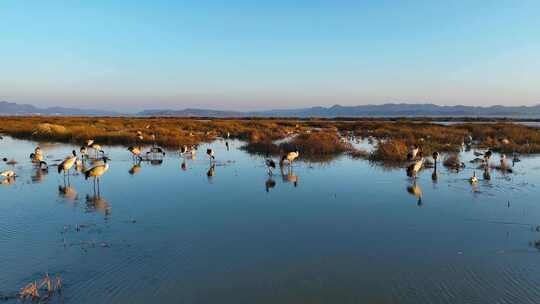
column 417, row 162
column 92, row 161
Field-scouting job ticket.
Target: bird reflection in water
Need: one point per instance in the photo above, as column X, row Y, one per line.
column 97, row 203
column 211, row 172
column 415, row 190
column 288, row 176
column 68, row 193
column 41, row 171
column 269, row 184
column 156, row 162
column 136, row 168
column 487, row 174
column 183, row 165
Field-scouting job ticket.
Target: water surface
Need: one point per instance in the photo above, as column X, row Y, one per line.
column 347, row 231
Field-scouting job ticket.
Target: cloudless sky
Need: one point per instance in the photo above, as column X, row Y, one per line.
column 245, row 55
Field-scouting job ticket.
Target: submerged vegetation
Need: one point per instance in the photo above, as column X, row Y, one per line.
column 314, row 138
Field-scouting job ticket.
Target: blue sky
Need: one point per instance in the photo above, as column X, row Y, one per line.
column 244, row 55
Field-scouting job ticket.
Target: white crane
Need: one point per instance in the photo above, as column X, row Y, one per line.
column 289, row 157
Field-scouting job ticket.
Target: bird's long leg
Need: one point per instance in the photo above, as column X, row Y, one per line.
column 98, row 192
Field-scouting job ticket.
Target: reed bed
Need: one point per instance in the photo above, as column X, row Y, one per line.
column 313, row 137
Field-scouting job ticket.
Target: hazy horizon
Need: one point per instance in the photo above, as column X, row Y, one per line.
column 245, row 56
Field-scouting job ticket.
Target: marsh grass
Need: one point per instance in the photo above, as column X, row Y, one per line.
column 314, row 137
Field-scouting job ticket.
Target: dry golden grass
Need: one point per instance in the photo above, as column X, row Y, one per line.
column 313, row 137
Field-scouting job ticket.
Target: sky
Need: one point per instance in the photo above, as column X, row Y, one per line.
column 250, row 55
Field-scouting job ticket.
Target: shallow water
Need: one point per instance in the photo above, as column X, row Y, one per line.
column 348, row 232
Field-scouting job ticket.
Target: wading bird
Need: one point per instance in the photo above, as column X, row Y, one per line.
column 97, row 148
column 435, row 156
column 270, row 165
column 96, row 172
column 473, row 179
column 42, row 166
column 8, row 173
column 414, row 168
column 156, row 151
column 67, row 163
column 289, row 157
column 413, row 152
column 210, row 154
column 135, row 153
column 487, row 157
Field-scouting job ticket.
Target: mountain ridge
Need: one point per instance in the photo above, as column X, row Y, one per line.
column 370, row 110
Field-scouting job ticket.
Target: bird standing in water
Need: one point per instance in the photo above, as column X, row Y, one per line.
column 473, row 179
column 210, row 154
column 96, row 172
column 414, row 168
column 289, row 157
column 67, row 163
column 270, row 165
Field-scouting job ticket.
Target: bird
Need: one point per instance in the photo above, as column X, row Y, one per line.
column 270, row 164
column 97, row 148
column 83, row 151
column 97, row 171
column 515, row 158
column 89, row 142
column 183, row 149
column 210, row 154
column 135, row 153
column 413, row 153
column 8, row 173
column 289, row 157
column 473, row 179
column 67, row 163
column 415, row 167
column 43, row 166
column 504, row 163
column 487, row 156
column 227, row 145
column 156, row 150
column 435, row 156
column 37, row 156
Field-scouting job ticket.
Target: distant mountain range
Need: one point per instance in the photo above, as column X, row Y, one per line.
column 383, row 110
column 11, row 108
